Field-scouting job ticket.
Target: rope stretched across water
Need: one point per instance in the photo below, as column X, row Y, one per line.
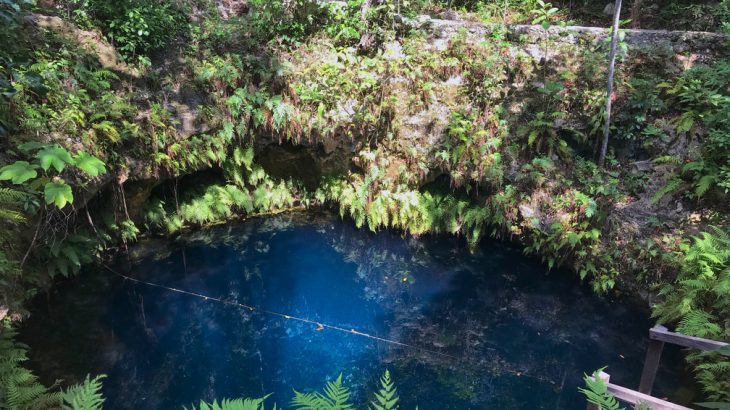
column 320, row 325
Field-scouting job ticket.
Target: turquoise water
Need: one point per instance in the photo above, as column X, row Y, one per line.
column 516, row 337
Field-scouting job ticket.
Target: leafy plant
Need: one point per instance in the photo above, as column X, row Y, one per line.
column 66, row 256
column 596, row 392
column 236, row 404
column 18, row 173
column 702, row 96
column 84, row 396
column 19, row 388
column 137, row 27
column 471, row 151
column 699, row 302
column 59, row 193
column 52, row 159
column 335, row 396
column 386, row 398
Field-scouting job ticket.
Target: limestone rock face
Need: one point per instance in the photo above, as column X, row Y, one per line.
column 91, row 41
column 231, row 8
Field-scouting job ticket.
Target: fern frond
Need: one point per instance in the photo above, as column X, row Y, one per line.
column 233, row 404
column 596, row 392
column 387, row 398
column 19, row 388
column 700, row 324
column 84, row 396
column 335, row 397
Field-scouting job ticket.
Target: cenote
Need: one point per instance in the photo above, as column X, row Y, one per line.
column 508, row 334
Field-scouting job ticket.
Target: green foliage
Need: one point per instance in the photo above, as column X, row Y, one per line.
column 543, row 136
column 335, row 396
column 13, row 219
column 704, row 280
column 343, row 89
column 711, row 16
column 58, row 193
column 19, row 388
column 53, row 160
column 11, row 202
column 18, row 173
column 84, row 396
column 285, row 21
column 237, row 404
column 15, row 48
column 701, row 95
column 53, row 156
column 387, row 397
column 413, row 211
column 66, row 256
column 596, row 392
column 136, row 27
column 248, row 190
column 699, row 302
column 471, row 152
column 89, row 164
column 255, row 76
column 543, row 13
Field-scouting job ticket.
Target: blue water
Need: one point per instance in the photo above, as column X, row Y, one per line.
column 517, row 337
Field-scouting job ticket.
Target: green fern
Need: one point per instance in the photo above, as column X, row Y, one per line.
column 596, row 392
column 387, row 397
column 11, row 201
column 237, row 404
column 672, row 186
column 698, row 301
column 699, row 323
column 66, row 256
column 84, row 396
column 19, row 388
column 335, row 396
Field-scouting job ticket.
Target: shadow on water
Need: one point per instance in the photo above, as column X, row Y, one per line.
column 518, row 337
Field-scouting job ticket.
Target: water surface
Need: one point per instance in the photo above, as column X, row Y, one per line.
column 508, row 335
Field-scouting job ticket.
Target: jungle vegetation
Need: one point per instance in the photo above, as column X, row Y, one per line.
column 112, row 110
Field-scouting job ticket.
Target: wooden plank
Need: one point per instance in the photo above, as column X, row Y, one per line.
column 651, row 365
column 634, row 397
column 661, row 333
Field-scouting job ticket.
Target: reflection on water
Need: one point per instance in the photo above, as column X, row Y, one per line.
column 522, row 339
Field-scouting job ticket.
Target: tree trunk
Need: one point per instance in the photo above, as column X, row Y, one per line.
column 611, row 66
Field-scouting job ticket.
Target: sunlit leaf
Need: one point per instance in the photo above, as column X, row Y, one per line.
column 58, row 193
column 18, row 172
column 90, row 164
column 55, row 156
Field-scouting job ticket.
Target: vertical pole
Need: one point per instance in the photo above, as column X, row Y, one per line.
column 651, row 365
column 611, row 65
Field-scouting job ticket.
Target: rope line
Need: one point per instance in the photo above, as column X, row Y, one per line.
column 320, row 325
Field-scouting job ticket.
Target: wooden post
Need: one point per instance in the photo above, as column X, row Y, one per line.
column 658, row 335
column 651, row 365
column 609, row 93
column 605, row 377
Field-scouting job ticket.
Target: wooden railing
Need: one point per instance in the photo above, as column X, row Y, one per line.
column 658, row 335
column 634, row 397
